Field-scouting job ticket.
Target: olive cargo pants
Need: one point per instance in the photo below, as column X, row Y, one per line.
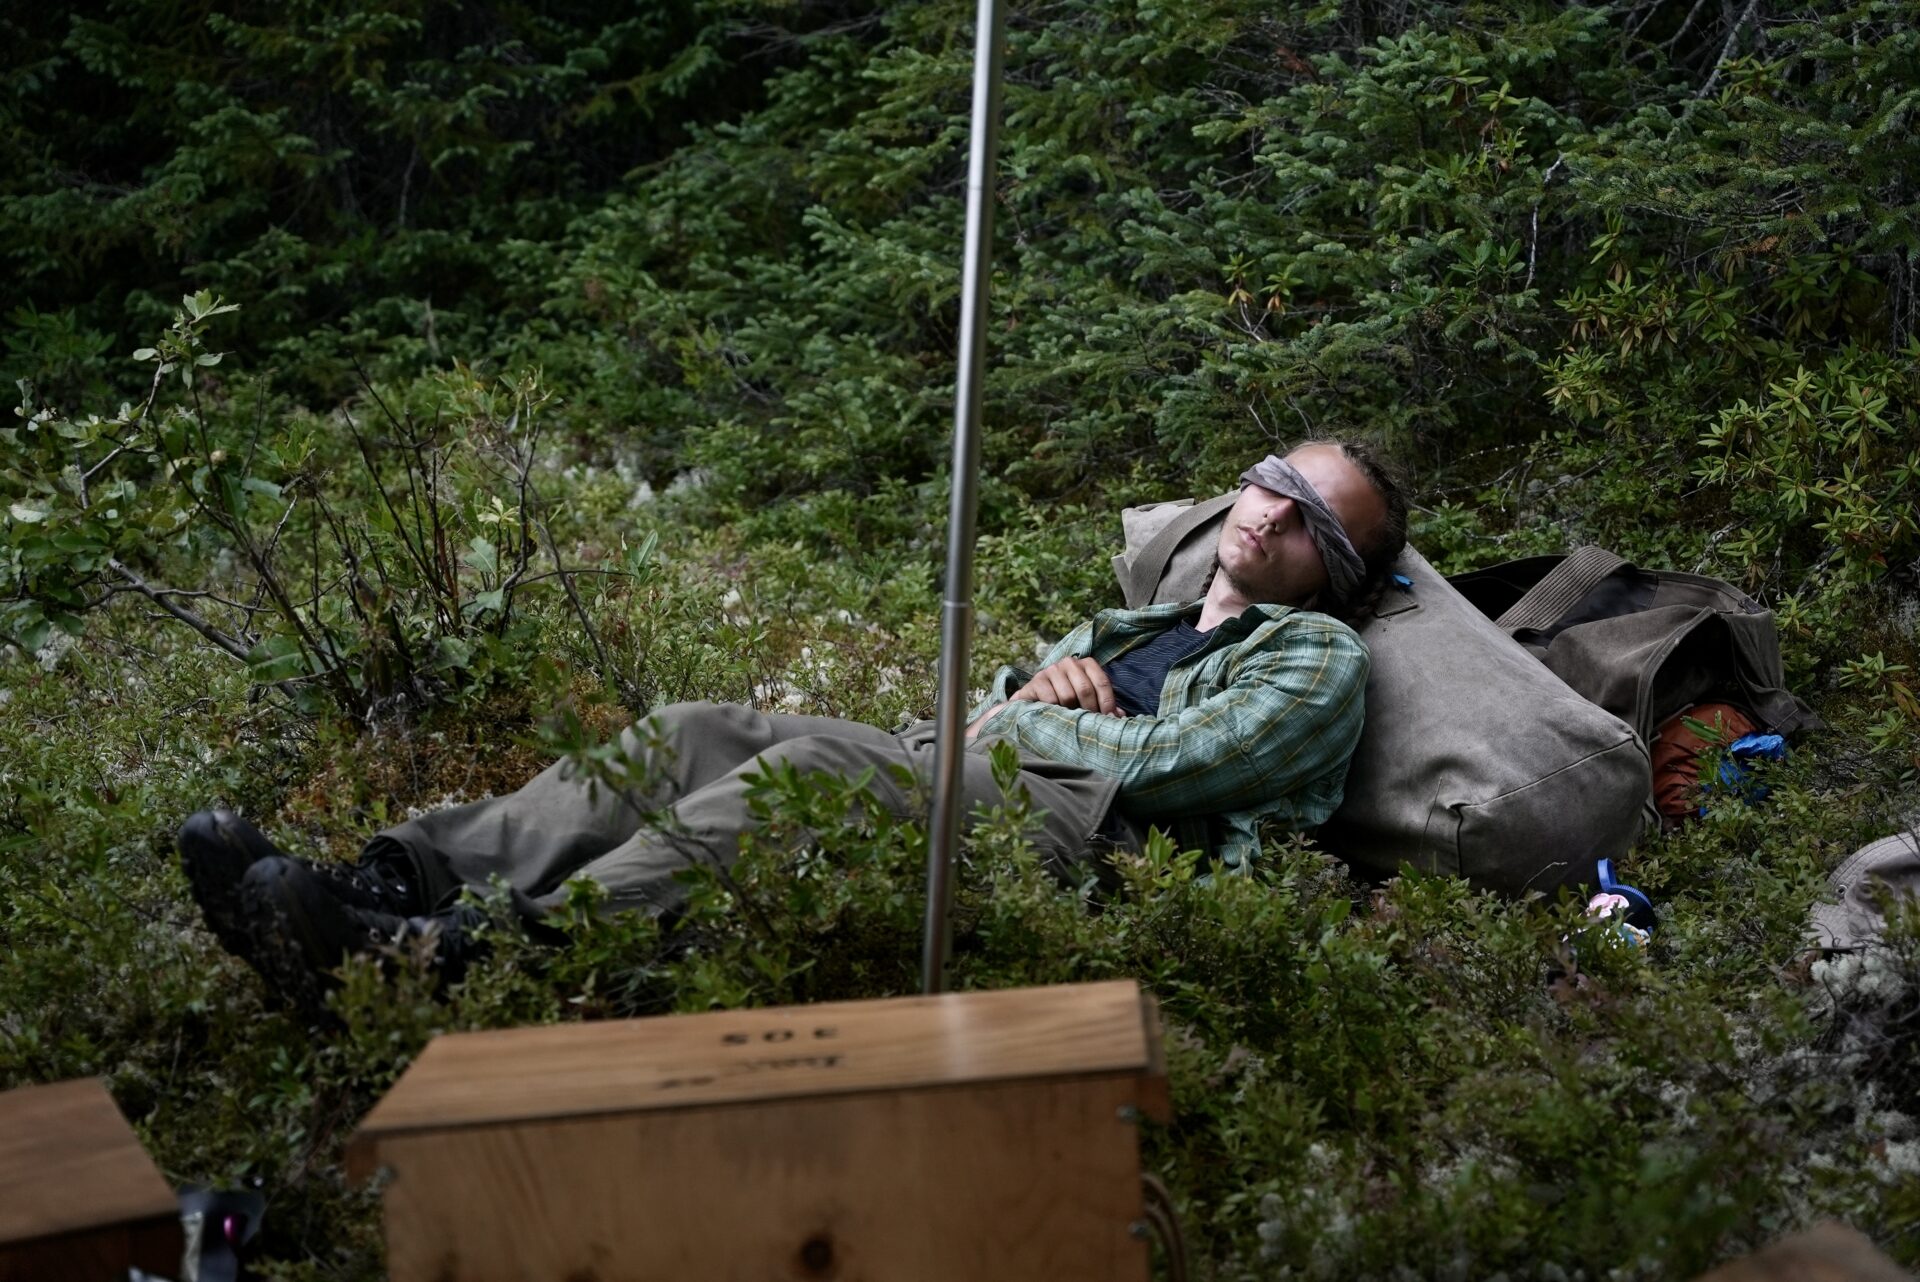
column 557, row 828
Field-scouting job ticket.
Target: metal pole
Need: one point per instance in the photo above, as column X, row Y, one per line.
column 956, row 616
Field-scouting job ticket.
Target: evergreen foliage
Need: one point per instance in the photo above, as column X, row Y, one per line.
column 534, row 365
column 368, row 175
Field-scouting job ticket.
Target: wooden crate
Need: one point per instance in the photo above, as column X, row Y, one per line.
column 80, row 1200
column 966, row 1136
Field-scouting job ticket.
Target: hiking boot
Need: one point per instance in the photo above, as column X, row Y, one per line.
column 300, row 930
column 381, row 884
column 216, row 849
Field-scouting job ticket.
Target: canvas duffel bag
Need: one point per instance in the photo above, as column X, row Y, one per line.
column 1476, row 760
column 1643, row 644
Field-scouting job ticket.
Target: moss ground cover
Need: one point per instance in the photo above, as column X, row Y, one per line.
column 636, row 390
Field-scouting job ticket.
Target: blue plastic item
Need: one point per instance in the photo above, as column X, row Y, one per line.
column 1734, row 777
column 1639, row 907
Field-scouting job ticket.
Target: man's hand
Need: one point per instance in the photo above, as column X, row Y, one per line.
column 1072, row 683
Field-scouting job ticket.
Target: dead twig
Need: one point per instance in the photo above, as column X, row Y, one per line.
column 161, row 596
column 1726, row 50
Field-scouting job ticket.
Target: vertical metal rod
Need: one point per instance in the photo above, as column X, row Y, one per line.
column 956, row 616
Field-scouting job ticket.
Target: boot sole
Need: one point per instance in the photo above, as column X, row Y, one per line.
column 282, row 943
column 220, row 906
column 210, row 860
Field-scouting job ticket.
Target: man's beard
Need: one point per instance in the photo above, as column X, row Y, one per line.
column 1234, row 581
column 1246, row 591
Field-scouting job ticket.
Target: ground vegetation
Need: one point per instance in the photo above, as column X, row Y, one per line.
column 411, row 392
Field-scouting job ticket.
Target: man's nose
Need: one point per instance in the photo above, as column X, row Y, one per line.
column 1279, row 512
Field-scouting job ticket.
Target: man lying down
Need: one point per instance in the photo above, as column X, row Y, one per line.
column 1202, row 719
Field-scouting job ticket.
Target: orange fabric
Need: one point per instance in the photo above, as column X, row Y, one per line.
column 1677, row 751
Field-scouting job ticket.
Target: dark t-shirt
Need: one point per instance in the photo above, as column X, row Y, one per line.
column 1139, row 675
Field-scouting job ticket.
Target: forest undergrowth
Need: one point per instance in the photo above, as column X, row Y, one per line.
column 529, row 373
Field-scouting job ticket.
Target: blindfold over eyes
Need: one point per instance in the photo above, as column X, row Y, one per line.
column 1343, row 564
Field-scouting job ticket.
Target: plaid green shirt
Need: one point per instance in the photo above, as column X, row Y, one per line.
column 1257, row 724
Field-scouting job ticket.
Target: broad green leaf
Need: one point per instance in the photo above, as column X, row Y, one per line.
column 481, row 556
column 276, row 658
column 67, row 621
column 33, row 632
column 451, row 652
column 76, row 541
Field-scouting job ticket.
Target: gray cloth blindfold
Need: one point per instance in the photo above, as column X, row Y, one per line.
column 1343, row 564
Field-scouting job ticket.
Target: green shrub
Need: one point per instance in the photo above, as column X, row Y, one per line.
column 1638, row 274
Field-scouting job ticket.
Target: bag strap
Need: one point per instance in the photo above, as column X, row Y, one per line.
column 1562, row 588
column 1150, row 563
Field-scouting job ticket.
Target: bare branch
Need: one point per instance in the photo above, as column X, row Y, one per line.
column 1726, row 50
column 198, row 594
column 88, row 474
column 274, row 541
column 373, row 474
column 1533, row 240
column 573, row 598
column 161, row 596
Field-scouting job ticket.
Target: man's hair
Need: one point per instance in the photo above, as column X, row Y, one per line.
column 1380, row 547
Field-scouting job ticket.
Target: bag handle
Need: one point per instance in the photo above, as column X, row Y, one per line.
column 1562, row 588
column 1150, row 563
